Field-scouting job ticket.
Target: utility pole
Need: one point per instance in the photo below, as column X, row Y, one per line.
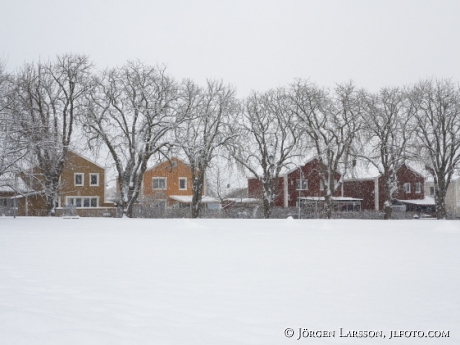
column 299, row 190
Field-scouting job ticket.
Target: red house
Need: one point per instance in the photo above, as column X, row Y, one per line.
column 371, row 189
column 303, row 183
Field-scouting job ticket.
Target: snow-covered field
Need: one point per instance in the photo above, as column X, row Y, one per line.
column 182, row 281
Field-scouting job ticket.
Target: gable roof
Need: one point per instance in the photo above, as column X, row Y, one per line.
column 412, row 169
column 372, row 173
column 166, row 160
column 85, row 158
column 290, row 171
column 284, row 171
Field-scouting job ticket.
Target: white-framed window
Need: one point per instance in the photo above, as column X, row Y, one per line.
column 78, row 179
column 432, row 191
column 406, row 187
column 418, row 187
column 302, row 184
column 182, row 183
column 83, row 201
column 159, row 183
column 94, row 179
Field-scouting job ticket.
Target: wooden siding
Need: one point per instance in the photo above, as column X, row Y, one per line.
column 362, row 189
column 74, row 164
column 365, row 189
column 309, row 172
column 172, row 170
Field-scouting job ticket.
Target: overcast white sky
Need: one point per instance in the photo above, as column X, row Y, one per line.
column 252, row 44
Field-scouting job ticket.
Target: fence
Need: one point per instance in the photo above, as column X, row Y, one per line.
column 249, row 212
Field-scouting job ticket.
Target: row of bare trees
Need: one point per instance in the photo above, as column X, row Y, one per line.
column 137, row 112
column 418, row 123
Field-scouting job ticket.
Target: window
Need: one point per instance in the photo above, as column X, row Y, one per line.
column 85, row 202
column 182, row 183
column 432, row 191
column 302, row 184
column 78, row 179
column 406, row 187
column 94, row 179
column 321, row 185
column 418, row 187
column 159, row 183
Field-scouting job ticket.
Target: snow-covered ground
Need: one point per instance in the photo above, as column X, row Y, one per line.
column 181, row 281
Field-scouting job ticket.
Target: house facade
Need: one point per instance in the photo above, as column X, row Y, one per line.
column 410, row 191
column 169, row 185
column 303, row 184
column 81, row 186
column 16, row 198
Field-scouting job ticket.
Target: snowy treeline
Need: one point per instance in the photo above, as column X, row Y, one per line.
column 137, row 112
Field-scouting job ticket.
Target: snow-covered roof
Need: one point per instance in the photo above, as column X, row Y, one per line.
column 334, row 198
column 287, row 171
column 9, row 185
column 428, row 200
column 187, row 199
column 242, row 200
column 360, row 173
column 369, row 172
column 25, row 195
column 293, row 166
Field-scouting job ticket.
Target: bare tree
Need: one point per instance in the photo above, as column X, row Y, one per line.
column 132, row 111
column 268, row 140
column 224, row 179
column 436, row 108
column 331, row 124
column 9, row 150
column 47, row 99
column 205, row 130
column 387, row 129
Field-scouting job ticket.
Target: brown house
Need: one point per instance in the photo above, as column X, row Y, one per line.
column 169, row 184
column 82, row 186
column 16, row 198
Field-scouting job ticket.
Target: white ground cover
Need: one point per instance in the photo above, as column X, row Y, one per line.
column 181, row 281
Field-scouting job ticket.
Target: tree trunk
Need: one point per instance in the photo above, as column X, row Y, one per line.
column 51, row 196
column 50, row 209
column 441, row 212
column 387, row 205
column 128, row 210
column 328, row 206
column 440, row 197
column 267, row 208
column 197, row 184
column 196, row 205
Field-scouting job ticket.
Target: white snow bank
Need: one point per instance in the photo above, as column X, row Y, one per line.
column 145, row 281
